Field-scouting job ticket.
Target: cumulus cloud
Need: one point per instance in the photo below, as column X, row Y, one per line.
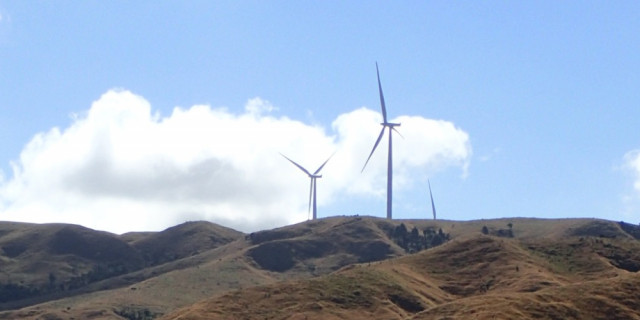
column 121, row 167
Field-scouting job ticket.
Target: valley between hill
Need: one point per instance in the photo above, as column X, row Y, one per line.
column 332, row 268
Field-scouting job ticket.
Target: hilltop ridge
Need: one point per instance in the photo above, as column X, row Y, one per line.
column 351, row 266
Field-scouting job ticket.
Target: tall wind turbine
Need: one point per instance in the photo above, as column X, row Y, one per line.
column 312, row 189
column 433, row 206
column 385, row 124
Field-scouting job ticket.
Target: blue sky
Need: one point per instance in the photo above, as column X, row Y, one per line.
column 536, row 106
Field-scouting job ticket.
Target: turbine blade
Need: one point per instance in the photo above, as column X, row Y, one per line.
column 322, row 166
column 374, row 148
column 384, row 108
column 297, row 165
column 310, row 192
column 398, row 132
column 433, row 206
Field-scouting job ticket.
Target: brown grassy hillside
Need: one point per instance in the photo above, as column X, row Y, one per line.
column 52, row 261
column 182, row 241
column 356, row 267
column 574, row 273
column 204, row 272
column 45, row 260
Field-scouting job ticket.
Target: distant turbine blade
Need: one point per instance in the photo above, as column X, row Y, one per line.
column 374, row 148
column 322, row 166
column 398, row 132
column 310, row 192
column 433, row 206
column 297, row 165
column 384, row 108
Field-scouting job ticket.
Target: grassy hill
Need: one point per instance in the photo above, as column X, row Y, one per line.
column 567, row 275
column 340, row 267
column 51, row 261
column 45, row 260
column 181, row 241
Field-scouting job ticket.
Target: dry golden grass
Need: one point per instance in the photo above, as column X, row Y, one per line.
column 557, row 276
column 551, row 269
column 613, row 298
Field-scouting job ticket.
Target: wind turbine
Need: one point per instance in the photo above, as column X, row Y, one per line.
column 312, row 189
column 433, row 206
column 385, row 124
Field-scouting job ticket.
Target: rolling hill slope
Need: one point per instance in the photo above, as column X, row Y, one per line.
column 345, row 267
column 52, row 261
column 473, row 277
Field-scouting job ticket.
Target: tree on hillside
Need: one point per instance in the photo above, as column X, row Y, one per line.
column 400, row 235
column 413, row 241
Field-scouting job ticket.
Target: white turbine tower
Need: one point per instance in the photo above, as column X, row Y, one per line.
column 385, row 124
column 312, row 189
column 433, row 206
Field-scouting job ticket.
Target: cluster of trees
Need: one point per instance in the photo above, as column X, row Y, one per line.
column 505, row 233
column 414, row 240
column 137, row 314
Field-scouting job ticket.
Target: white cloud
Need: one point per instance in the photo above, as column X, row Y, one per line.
column 120, row 167
column 630, row 201
column 257, row 106
column 632, row 162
